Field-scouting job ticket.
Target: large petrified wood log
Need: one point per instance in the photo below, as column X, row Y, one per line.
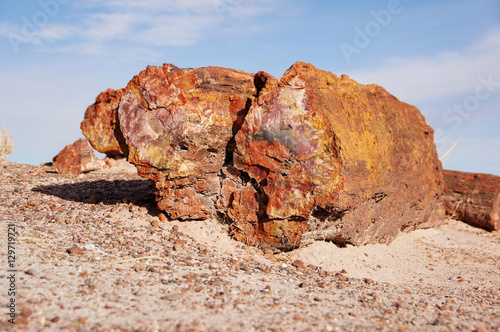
column 473, row 198
column 309, row 156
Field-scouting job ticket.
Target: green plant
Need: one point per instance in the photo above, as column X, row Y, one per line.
column 6, row 143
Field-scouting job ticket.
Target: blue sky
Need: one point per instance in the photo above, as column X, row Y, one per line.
column 441, row 56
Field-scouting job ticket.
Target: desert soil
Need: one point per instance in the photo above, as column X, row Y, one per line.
column 91, row 254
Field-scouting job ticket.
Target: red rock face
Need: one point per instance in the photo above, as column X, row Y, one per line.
column 473, row 198
column 178, row 124
column 308, row 156
column 100, row 125
column 334, row 159
column 76, row 158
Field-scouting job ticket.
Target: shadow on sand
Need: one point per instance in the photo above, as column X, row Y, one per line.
column 138, row 192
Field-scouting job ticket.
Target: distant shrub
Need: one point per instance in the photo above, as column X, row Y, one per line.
column 6, row 143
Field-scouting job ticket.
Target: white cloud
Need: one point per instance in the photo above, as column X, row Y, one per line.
column 6, row 28
column 146, row 24
column 176, row 31
column 99, row 27
column 437, row 77
column 57, row 31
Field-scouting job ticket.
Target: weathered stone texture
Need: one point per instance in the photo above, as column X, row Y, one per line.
column 473, row 198
column 100, row 125
column 352, row 162
column 76, row 158
column 178, row 124
column 308, row 156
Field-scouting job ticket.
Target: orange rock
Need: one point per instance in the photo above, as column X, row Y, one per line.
column 473, row 198
column 178, row 124
column 309, row 156
column 100, row 125
column 350, row 161
column 76, row 158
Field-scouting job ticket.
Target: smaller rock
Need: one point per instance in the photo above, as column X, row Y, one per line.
column 162, row 217
column 178, row 244
column 75, row 250
column 34, row 202
column 138, row 267
column 89, row 246
column 89, row 282
column 76, row 158
column 138, row 292
column 93, row 199
column 298, row 318
column 299, row 264
column 30, row 272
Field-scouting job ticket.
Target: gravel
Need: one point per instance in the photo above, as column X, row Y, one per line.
column 92, row 254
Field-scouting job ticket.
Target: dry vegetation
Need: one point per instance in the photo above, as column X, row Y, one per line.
column 6, row 143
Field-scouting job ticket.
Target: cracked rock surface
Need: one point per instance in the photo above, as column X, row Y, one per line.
column 283, row 162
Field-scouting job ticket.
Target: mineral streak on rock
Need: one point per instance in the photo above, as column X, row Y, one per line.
column 100, row 125
column 308, row 156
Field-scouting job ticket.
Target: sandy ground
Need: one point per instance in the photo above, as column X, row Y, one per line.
column 92, row 255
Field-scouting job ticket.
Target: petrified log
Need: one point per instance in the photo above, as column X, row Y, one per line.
column 100, row 125
column 473, row 198
column 76, row 158
column 178, row 124
column 333, row 159
column 308, row 156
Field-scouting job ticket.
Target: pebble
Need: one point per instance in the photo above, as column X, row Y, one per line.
column 178, row 244
column 89, row 282
column 162, row 217
column 258, row 293
column 75, row 250
column 34, row 202
column 30, row 272
column 93, row 199
column 138, row 292
column 299, row 264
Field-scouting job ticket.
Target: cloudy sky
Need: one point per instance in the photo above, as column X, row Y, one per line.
column 441, row 56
